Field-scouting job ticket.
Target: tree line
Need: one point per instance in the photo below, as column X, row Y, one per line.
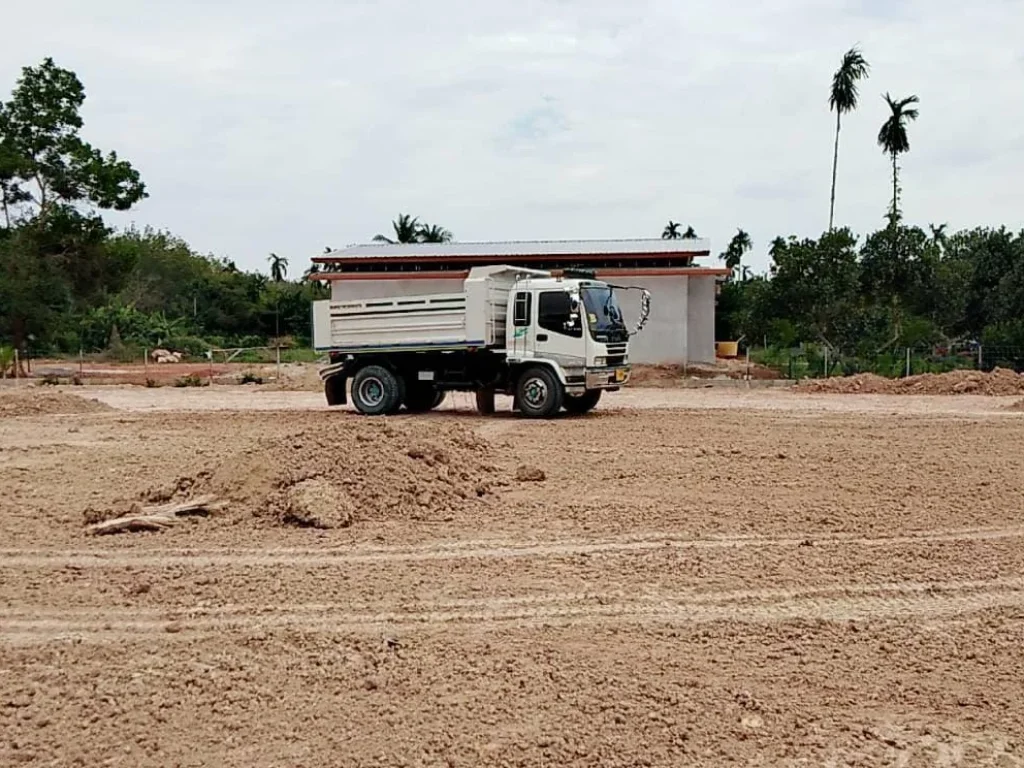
column 901, row 286
column 70, row 282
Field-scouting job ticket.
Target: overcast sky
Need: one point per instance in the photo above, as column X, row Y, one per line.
column 265, row 126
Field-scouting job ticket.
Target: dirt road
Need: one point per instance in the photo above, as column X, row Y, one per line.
column 704, row 577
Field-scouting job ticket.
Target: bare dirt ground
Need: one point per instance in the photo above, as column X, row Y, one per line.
column 705, row 577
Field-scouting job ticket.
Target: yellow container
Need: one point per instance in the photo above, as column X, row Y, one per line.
column 727, row 348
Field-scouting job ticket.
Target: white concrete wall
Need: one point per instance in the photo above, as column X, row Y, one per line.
column 664, row 338
column 700, row 319
column 681, row 327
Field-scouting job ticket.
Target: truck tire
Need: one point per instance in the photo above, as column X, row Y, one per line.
column 485, row 401
column 420, row 398
column 540, row 393
column 376, row 391
column 582, row 403
column 334, row 390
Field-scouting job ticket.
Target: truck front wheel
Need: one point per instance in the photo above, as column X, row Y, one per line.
column 376, row 391
column 539, row 393
column 582, row 403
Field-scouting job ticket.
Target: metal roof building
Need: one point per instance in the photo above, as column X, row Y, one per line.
column 682, row 322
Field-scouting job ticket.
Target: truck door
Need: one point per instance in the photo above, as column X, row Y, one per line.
column 559, row 332
column 520, row 343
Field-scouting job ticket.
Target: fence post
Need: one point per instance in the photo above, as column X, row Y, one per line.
column 826, row 361
column 278, row 351
column 908, row 362
column 17, row 364
column 748, row 367
column 980, row 364
column 81, row 363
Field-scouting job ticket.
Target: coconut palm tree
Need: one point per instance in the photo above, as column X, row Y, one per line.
column 431, row 233
column 738, row 246
column 671, row 231
column 892, row 138
column 690, row 233
column 842, row 99
column 278, row 267
column 939, row 235
column 406, row 229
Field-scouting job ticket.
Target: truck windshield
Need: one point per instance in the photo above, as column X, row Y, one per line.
column 604, row 317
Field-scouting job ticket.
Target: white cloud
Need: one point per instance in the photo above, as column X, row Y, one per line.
column 284, row 127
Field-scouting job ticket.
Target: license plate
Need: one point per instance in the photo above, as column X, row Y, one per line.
column 620, row 374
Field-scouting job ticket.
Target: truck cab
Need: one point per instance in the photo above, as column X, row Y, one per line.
column 574, row 324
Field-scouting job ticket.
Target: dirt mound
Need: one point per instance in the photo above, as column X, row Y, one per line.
column 1000, row 381
column 360, row 469
column 1018, row 406
column 36, row 402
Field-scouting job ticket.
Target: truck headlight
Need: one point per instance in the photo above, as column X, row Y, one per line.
column 600, row 361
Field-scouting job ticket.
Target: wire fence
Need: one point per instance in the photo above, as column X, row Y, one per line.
column 820, row 361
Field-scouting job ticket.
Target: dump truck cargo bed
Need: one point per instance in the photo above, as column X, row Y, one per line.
column 473, row 317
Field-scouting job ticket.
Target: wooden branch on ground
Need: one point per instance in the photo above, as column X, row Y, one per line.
column 157, row 518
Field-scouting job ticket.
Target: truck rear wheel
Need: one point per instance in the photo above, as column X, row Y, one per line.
column 376, row 391
column 421, row 398
column 485, row 401
column 582, row 403
column 539, row 393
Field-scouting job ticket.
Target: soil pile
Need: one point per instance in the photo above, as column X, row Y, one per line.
column 1018, row 406
column 1000, row 381
column 36, row 402
column 365, row 470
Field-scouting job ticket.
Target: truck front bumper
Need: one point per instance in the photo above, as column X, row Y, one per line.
column 607, row 378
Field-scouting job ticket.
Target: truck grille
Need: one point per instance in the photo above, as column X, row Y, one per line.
column 616, row 354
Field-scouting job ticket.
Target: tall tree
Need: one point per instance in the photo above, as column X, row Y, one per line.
column 671, row 231
column 690, row 233
column 738, row 246
column 892, row 138
column 406, row 230
column 44, row 163
column 51, row 182
column 431, row 233
column 842, row 99
column 278, row 267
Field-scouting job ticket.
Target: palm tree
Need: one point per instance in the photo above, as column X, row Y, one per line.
column 843, row 98
column 892, row 138
column 406, row 230
column 278, row 267
column 690, row 233
column 738, row 246
column 431, row 233
column 671, row 231
column 939, row 235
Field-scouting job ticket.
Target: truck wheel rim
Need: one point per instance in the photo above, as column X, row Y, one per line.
column 535, row 392
column 371, row 392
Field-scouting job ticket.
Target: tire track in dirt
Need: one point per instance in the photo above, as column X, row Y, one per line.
column 765, row 606
column 470, row 550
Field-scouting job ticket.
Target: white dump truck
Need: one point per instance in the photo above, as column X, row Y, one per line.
column 549, row 342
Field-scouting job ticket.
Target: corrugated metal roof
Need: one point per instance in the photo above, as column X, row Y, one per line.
column 520, row 248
